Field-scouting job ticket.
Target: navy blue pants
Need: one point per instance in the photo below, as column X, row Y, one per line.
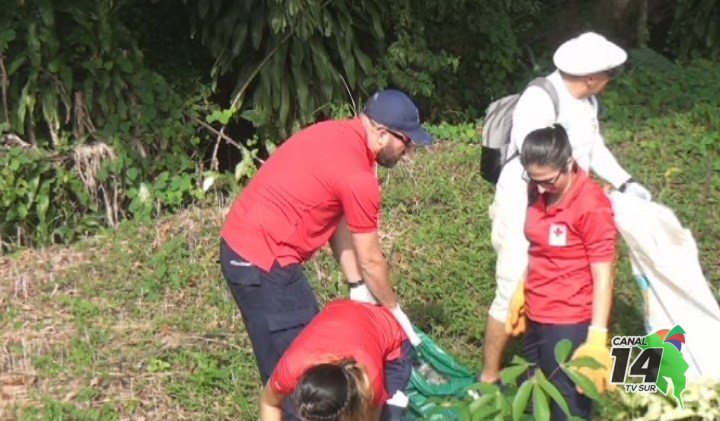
column 275, row 307
column 397, row 377
column 539, row 348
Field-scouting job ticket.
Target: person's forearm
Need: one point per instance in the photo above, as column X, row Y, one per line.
column 374, row 268
column 602, row 293
column 604, row 164
column 375, row 272
column 270, row 405
column 341, row 245
column 270, row 413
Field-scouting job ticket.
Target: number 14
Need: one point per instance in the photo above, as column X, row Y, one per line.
column 646, row 365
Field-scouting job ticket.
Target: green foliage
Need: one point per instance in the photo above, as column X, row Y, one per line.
column 69, row 64
column 488, row 401
column 696, row 29
column 31, row 184
column 487, row 40
column 466, row 133
column 294, row 60
column 59, row 410
column 98, row 123
column 294, row 53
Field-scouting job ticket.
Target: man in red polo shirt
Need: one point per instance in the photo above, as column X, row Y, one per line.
column 319, row 186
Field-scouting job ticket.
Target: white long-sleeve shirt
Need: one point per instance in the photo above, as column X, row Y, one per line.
column 535, row 110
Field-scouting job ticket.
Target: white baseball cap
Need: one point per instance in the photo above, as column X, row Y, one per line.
column 587, row 54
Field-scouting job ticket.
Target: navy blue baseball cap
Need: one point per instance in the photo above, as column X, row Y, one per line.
column 395, row 110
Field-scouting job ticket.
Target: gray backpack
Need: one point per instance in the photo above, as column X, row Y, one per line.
column 497, row 127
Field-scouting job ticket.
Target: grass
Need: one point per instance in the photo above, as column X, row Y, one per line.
column 139, row 323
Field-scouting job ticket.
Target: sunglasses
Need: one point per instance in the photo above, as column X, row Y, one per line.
column 544, row 183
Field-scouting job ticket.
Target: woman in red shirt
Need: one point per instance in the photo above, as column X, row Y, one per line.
column 568, row 287
column 347, row 364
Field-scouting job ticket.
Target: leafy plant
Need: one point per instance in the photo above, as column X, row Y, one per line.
column 30, row 184
column 489, row 401
column 466, row 133
column 77, row 97
column 294, row 60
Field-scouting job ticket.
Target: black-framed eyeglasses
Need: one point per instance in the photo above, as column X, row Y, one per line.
column 403, row 138
column 545, row 183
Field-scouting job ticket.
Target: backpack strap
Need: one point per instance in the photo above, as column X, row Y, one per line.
column 547, row 86
column 516, row 154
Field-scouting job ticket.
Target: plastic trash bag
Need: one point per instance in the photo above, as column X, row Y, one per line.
column 435, row 374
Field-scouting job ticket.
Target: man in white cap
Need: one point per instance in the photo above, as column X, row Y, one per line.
column 585, row 66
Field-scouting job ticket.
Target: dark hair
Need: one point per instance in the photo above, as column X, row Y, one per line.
column 546, row 147
column 338, row 391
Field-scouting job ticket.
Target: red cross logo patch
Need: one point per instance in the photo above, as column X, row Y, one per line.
column 558, row 235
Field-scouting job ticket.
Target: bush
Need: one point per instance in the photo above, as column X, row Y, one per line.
column 95, row 124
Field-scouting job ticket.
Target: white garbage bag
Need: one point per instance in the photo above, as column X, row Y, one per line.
column 666, row 264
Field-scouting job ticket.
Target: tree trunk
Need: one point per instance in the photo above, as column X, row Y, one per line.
column 643, row 33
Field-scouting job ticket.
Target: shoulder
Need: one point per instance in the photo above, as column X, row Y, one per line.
column 335, row 135
column 592, row 202
column 592, row 192
column 360, row 181
column 534, row 108
column 347, row 128
column 534, row 96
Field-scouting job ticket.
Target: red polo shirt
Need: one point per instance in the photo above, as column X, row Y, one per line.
column 292, row 206
column 564, row 240
column 345, row 328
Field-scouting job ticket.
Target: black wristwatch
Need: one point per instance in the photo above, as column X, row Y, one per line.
column 357, row 284
column 623, row 186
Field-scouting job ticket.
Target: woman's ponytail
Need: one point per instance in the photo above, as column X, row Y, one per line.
column 335, row 391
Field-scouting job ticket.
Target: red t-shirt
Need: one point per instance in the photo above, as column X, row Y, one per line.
column 292, row 206
column 344, row 328
column 564, row 240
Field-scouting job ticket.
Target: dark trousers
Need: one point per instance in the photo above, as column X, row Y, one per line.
column 539, row 348
column 397, row 377
column 275, row 307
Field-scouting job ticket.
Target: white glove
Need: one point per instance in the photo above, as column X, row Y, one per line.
column 360, row 292
column 636, row 189
column 402, row 318
column 399, row 399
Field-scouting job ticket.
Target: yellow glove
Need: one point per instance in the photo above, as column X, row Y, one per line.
column 516, row 323
column 595, row 346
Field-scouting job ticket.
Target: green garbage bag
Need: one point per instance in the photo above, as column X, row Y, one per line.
column 435, row 374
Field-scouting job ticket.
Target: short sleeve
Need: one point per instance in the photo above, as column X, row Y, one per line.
column 359, row 195
column 598, row 232
column 283, row 379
